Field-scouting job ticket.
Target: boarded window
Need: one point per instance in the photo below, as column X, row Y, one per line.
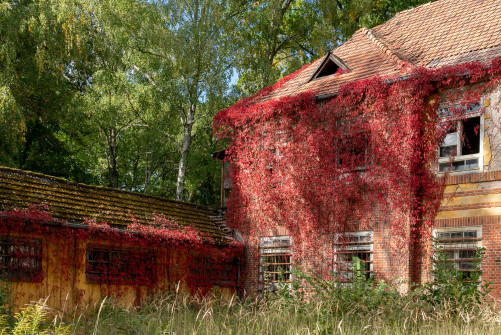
column 113, row 265
column 21, row 259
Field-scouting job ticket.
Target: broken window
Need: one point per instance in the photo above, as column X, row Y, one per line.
column 348, row 247
column 462, row 146
column 274, row 263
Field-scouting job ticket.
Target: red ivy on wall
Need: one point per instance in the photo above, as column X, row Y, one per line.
column 156, row 257
column 363, row 159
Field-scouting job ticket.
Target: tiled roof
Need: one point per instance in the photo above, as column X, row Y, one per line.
column 444, row 32
column 75, row 202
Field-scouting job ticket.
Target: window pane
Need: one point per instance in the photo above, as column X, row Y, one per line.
column 467, row 266
column 470, row 234
column 470, row 141
column 448, row 147
column 471, row 164
column 466, row 254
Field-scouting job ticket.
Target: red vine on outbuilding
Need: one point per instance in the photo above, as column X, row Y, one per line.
column 139, row 253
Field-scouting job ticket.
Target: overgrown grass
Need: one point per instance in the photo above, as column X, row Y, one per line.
column 279, row 314
column 212, row 315
column 453, row 304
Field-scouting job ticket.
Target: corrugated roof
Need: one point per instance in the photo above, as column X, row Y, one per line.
column 444, row 32
column 75, row 202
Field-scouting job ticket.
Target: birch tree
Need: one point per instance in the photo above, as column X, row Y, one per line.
column 187, row 58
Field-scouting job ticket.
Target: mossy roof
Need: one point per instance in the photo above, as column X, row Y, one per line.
column 75, row 202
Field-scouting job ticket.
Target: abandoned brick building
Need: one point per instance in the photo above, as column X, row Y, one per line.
column 90, row 242
column 439, row 35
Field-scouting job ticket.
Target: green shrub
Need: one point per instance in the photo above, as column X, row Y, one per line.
column 453, row 285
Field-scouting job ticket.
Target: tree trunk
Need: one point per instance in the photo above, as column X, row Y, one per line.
column 111, row 135
column 185, row 147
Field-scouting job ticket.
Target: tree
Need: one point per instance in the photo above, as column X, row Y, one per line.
column 37, row 87
column 186, row 57
column 276, row 37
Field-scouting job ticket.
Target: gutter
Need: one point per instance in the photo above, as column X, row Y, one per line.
column 115, row 228
column 323, row 97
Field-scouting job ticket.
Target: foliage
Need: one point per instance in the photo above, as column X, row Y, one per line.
column 345, row 17
column 32, row 319
column 37, row 88
column 121, row 93
column 110, row 92
column 451, row 284
column 450, row 288
column 214, row 314
column 276, row 37
column 5, row 294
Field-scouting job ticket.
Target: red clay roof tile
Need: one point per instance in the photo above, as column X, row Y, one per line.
column 445, row 32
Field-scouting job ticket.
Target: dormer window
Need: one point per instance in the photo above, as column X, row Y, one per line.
column 330, row 65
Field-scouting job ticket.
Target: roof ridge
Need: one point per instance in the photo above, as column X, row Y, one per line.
column 401, row 61
column 96, row 187
column 420, row 6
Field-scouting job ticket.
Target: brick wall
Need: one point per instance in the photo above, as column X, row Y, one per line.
column 470, row 199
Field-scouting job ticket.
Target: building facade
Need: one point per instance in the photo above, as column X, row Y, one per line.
column 76, row 244
column 448, row 38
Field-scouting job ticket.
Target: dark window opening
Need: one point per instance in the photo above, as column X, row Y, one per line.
column 470, row 142
column 204, row 272
column 328, row 69
column 119, row 266
column 463, row 139
column 330, row 66
column 21, row 259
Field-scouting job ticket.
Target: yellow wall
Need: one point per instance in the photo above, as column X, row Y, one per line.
column 66, row 287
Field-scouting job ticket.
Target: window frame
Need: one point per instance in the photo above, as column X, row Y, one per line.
column 34, row 271
column 274, row 246
column 107, row 276
column 339, row 248
column 477, row 112
column 456, row 247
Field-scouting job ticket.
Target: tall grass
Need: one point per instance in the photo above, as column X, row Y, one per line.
column 453, row 304
column 276, row 315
